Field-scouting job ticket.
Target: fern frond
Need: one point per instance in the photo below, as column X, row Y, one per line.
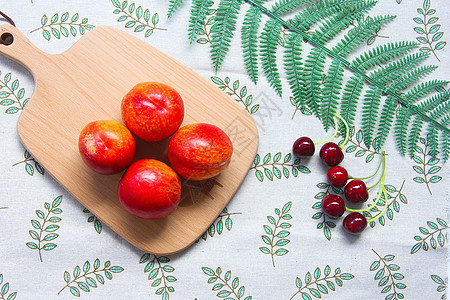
column 173, row 6
column 269, row 43
column 395, row 69
column 293, row 65
column 382, row 54
column 433, row 140
column 411, row 77
column 312, row 78
column 401, row 128
column 286, row 6
column 350, row 96
column 414, row 135
column 197, row 18
column 359, row 34
column 386, row 120
column 249, row 38
column 423, row 89
column 223, row 30
column 331, row 91
column 434, row 102
column 445, row 145
column 441, row 112
column 319, row 11
column 372, row 100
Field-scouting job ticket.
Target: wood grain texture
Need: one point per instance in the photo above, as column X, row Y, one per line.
column 87, row 83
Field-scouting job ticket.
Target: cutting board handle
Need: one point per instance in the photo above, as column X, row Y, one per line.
column 20, row 48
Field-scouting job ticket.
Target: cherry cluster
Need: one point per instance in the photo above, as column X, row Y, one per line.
column 355, row 190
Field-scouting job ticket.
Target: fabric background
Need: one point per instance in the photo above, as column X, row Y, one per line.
column 422, row 275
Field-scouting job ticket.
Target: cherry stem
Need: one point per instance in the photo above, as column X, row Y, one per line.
column 376, row 172
column 332, row 137
column 336, row 127
column 383, row 174
column 381, row 190
column 384, row 207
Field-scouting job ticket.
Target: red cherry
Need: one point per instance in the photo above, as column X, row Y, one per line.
column 337, row 176
column 333, row 206
column 356, row 191
column 354, row 223
column 331, row 154
column 303, row 146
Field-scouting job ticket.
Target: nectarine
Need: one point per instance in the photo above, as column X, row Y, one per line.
column 106, row 146
column 149, row 189
column 152, row 111
column 200, row 151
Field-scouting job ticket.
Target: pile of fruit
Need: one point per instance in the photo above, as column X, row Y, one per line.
column 355, row 191
column 152, row 111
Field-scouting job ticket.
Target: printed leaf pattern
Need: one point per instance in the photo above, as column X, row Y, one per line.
column 44, row 229
column 442, row 285
column 222, row 222
column 30, row 164
column 240, row 95
column 277, row 166
column 387, row 276
column 224, row 286
column 356, row 145
column 276, row 235
column 201, row 21
column 395, row 198
column 389, row 70
column 158, row 268
column 64, row 26
column 88, row 276
column 93, row 219
column 326, row 223
column 436, row 234
column 319, row 283
column 426, row 167
column 428, row 30
column 11, row 94
column 136, row 17
column 5, row 293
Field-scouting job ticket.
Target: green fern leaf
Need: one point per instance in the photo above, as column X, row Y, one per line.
column 382, row 54
column 414, row 135
column 269, row 43
column 433, row 103
column 173, row 6
column 312, row 77
column 319, row 11
column 372, row 100
column 286, row 6
column 249, row 38
column 331, row 27
column 197, row 18
column 386, row 120
column 401, row 128
column 442, row 111
column 331, row 91
column 433, row 140
column 222, row 30
column 360, row 34
column 445, row 145
column 350, row 96
column 413, row 76
column 423, row 89
column 293, row 65
column 395, row 69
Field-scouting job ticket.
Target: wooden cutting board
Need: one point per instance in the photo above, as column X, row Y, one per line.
column 87, row 83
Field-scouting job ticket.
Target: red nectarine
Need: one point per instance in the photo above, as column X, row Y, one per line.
column 106, row 146
column 150, row 189
column 152, row 111
column 200, row 151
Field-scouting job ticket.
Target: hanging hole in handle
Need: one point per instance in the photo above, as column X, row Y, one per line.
column 6, row 39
